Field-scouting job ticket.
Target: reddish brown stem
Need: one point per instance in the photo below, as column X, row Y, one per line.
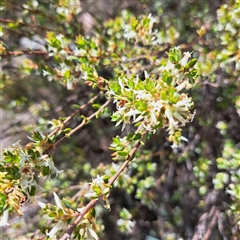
column 92, row 203
column 84, row 122
column 74, row 114
column 19, row 53
column 24, row 24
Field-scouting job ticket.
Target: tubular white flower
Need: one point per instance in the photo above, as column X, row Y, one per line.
column 177, row 116
column 155, row 108
column 123, row 126
column 181, row 86
column 4, row 219
column 41, row 204
column 45, row 161
column 184, row 60
column 185, row 103
column 57, row 172
column 145, row 74
column 139, row 118
column 172, row 124
column 57, row 201
column 52, row 233
column 153, row 118
column 184, row 139
column 90, row 194
column 133, row 113
column 152, row 19
column 24, row 157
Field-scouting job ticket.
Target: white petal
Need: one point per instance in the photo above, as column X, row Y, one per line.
column 4, row 220
column 41, row 204
column 53, row 232
column 57, row 200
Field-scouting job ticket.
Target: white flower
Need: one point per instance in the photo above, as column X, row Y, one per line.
column 52, row 233
column 184, row 60
column 127, row 224
column 45, row 73
column 184, row 104
column 56, row 170
column 181, row 86
column 27, row 179
column 142, row 94
column 41, row 204
column 57, row 201
column 99, row 181
column 152, row 19
column 47, row 162
column 132, row 113
column 90, row 194
column 23, row 158
column 4, row 219
column 122, row 83
column 184, row 139
column 155, row 108
column 139, row 118
column 179, row 118
column 172, row 124
column 169, row 67
column 129, row 33
column 145, row 74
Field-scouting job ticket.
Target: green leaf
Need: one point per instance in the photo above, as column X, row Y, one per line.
column 122, row 153
column 174, row 55
column 190, row 64
column 68, row 204
column 32, row 191
column 141, row 105
column 93, row 212
column 97, row 189
column 46, row 171
column 167, row 77
column 17, row 175
column 115, row 87
column 37, row 136
column 67, row 130
column 96, row 106
column 76, row 106
column 137, row 136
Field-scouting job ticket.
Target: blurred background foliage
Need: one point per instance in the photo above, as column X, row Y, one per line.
column 189, row 193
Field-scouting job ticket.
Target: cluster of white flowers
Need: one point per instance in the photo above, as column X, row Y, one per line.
column 156, row 103
column 29, row 166
column 141, row 31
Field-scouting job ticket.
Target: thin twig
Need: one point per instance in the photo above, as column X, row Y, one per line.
column 74, row 114
column 24, row 24
column 19, row 53
column 84, row 122
column 213, row 223
column 195, row 40
column 93, row 202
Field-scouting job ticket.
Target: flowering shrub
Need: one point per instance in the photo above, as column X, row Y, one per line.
column 151, row 82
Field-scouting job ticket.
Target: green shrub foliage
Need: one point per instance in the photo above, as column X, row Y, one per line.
column 133, row 119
